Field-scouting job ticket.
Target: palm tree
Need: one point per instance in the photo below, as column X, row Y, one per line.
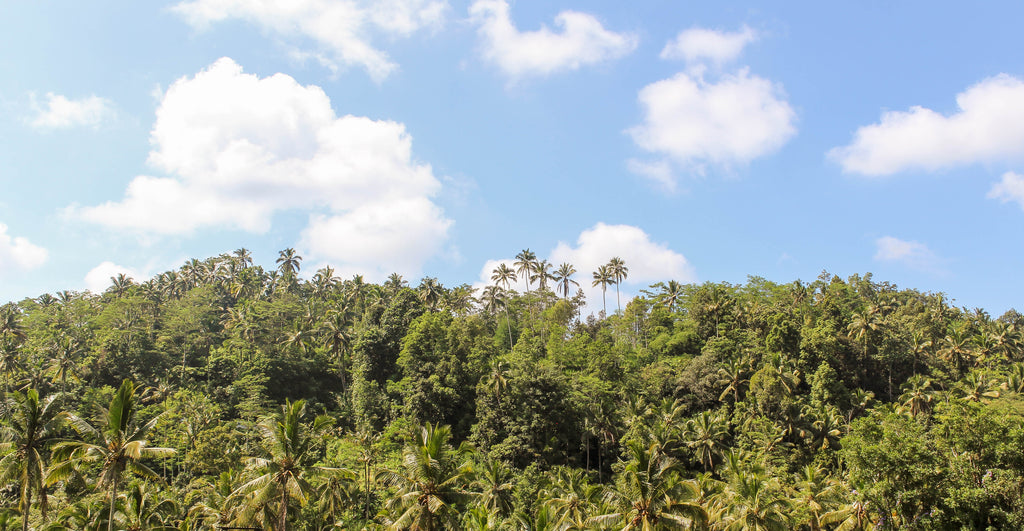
column 284, row 473
column 288, row 262
column 146, row 510
column 671, row 293
column 733, row 376
column 11, row 328
column 492, row 486
column 504, row 275
column 571, row 498
column 956, row 349
column 563, row 278
column 120, row 284
column 120, row 446
column 602, row 277
column 31, row 424
column 649, row 495
column 337, row 337
column 524, row 265
column 541, row 273
column 619, row 273
column 751, row 503
column 431, row 292
column 917, row 395
column 822, row 497
column 429, row 483
column 704, row 434
column 64, row 361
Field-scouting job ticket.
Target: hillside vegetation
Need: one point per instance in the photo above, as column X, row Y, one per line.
column 223, row 394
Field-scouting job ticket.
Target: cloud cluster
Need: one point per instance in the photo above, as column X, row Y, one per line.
column 702, row 44
column 342, row 30
column 581, row 41
column 988, row 127
column 695, row 119
column 914, row 255
column 59, row 112
column 98, row 279
column 648, row 261
column 1009, row 188
column 241, row 148
column 19, row 253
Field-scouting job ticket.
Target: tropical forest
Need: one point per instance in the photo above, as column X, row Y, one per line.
column 227, row 395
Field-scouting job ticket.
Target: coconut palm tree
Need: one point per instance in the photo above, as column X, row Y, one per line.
column 31, row 425
column 541, row 274
column 491, row 485
column 603, row 277
column 283, row 474
column 752, row 502
column 563, row 278
column 503, row 274
column 619, row 272
column 917, row 395
column 571, row 498
column 670, row 294
column 289, row 262
column 431, row 292
column 148, row 510
column 119, row 446
column 705, row 434
column 429, row 482
column 524, row 265
column 649, row 495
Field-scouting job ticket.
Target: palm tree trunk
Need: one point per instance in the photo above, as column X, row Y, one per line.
column 283, row 522
column 113, row 501
column 27, row 509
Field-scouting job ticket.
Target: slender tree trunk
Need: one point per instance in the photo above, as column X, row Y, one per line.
column 113, row 503
column 283, row 521
column 27, row 509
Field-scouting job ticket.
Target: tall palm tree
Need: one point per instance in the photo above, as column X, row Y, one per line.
column 563, row 278
column 603, row 277
column 120, row 446
column 289, row 262
column 284, row 473
column 148, row 510
column 541, row 273
column 429, row 482
column 705, row 434
column 524, row 265
column 956, row 349
column 503, row 274
column 431, row 292
column 31, row 424
column 571, row 498
column 671, row 293
column 917, row 395
column 491, row 486
column 337, row 337
column 619, row 272
column 11, row 328
column 120, row 284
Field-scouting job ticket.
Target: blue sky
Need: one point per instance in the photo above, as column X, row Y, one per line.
column 702, row 142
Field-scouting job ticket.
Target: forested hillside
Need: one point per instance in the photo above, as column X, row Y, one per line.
column 226, row 395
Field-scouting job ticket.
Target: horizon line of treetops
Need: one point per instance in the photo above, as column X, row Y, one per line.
column 226, row 267
column 266, row 401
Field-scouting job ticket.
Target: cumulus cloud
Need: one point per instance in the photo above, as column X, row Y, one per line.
column 648, row 261
column 701, row 44
column 581, row 41
column 19, row 253
column 59, row 112
column 693, row 123
column 988, row 127
column 240, row 148
column 98, row 279
column 1010, row 188
column 912, row 254
column 341, row 30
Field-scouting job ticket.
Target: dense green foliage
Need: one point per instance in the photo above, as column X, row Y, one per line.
column 223, row 394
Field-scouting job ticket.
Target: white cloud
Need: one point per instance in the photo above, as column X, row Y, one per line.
column 19, row 253
column 988, row 127
column 98, row 279
column 341, row 29
column 648, row 262
column 693, row 123
column 241, row 148
column 582, row 41
column 1010, row 188
column 699, row 44
column 59, row 112
column 912, row 254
